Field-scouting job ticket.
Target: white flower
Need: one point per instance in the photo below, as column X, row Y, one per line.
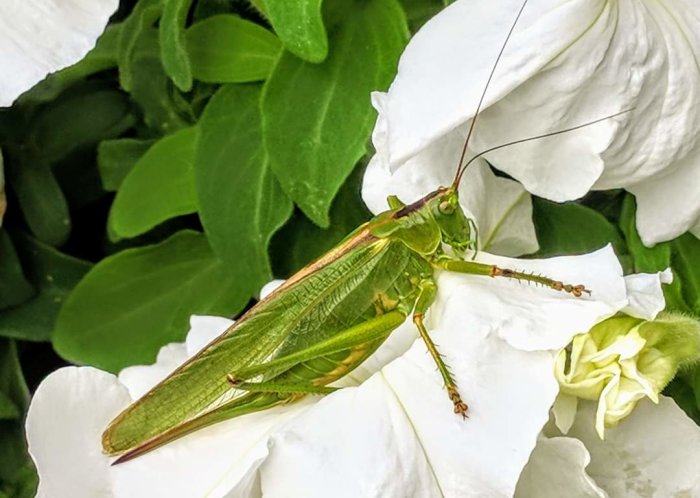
column 567, row 63
column 38, row 37
column 392, row 435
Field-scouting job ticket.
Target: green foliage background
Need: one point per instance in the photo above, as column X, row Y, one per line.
column 201, row 149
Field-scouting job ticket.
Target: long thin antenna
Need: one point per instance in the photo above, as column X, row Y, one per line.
column 458, row 175
column 550, row 134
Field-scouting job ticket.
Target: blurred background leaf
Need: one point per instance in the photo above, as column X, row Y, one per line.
column 158, row 187
column 53, row 275
column 299, row 25
column 133, row 302
column 317, row 118
column 572, row 228
column 228, row 49
column 250, row 199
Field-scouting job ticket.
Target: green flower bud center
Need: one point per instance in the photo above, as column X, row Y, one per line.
column 624, row 359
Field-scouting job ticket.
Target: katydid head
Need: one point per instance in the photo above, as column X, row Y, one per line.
column 457, row 230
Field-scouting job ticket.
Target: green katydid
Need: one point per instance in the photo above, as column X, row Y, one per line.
column 324, row 321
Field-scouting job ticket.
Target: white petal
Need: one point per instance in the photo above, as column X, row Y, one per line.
column 557, row 467
column 653, row 453
column 646, row 297
column 564, row 411
column 139, row 379
column 248, row 486
column 270, row 287
column 67, row 415
column 203, row 330
column 530, row 317
column 209, row 463
column 41, row 36
column 696, row 230
column 444, row 69
column 668, row 205
column 357, row 442
column 502, row 209
column 488, row 450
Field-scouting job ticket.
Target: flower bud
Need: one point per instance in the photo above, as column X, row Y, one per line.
column 623, row 359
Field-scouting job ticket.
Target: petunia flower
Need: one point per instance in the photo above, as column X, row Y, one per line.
column 38, row 37
column 567, row 63
column 390, row 433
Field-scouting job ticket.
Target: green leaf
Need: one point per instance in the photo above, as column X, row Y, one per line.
column 571, row 229
column 132, row 303
column 208, row 8
column 684, row 259
column 300, row 241
column 3, row 197
column 14, row 287
column 159, row 187
column 164, row 108
column 173, row 50
column 228, row 49
column 54, row 274
column 13, row 450
column 241, row 202
column 144, row 15
column 419, row 11
column 673, row 294
column 22, row 483
column 646, row 259
column 40, row 198
column 116, row 158
column 8, row 409
column 682, row 393
column 12, row 382
column 317, row 118
column 299, row 25
column 80, row 119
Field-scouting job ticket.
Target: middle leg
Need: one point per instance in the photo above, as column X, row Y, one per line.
column 426, row 296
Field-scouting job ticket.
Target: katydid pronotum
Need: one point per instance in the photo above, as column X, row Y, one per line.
column 325, row 320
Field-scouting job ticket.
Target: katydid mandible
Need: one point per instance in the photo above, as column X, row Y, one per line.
column 324, row 321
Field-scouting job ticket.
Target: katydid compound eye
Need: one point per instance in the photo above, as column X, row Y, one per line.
column 446, row 207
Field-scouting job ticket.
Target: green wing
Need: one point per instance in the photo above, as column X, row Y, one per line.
column 324, row 298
